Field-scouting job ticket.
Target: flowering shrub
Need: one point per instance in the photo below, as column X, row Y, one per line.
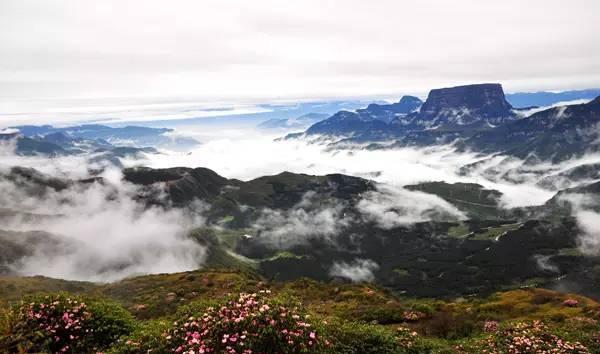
column 530, row 337
column 248, row 323
column 64, row 323
column 244, row 325
column 490, row 326
column 570, row 303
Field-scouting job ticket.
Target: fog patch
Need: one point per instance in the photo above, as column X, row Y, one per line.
column 359, row 270
column 585, row 210
column 543, row 262
column 589, row 222
column 310, row 218
column 392, row 206
column 103, row 232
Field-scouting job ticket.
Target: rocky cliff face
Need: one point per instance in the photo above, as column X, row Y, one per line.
column 465, row 106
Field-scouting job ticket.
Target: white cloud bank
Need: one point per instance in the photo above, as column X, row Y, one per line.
column 246, row 155
column 101, row 232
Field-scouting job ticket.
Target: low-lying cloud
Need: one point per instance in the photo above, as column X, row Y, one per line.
column 309, row 219
column 251, row 155
column 392, row 206
column 359, row 270
column 589, row 222
column 100, row 232
column 584, row 207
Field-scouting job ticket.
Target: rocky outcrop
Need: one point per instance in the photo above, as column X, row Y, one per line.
column 464, row 106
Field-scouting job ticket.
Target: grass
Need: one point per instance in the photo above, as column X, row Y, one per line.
column 459, row 231
column 284, row 254
column 575, row 252
column 462, row 230
column 493, row 232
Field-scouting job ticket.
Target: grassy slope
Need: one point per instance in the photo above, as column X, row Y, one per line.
column 155, row 296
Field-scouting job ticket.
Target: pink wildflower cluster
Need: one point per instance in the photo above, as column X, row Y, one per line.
column 570, row 303
column 61, row 319
column 250, row 323
column 490, row 326
column 531, row 337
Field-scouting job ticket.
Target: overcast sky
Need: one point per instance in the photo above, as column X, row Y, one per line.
column 242, row 51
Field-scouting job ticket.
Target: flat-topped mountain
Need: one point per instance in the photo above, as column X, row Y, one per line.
column 474, row 117
column 462, row 106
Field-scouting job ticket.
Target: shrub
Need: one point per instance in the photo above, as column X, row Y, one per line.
column 146, row 338
column 248, row 323
column 530, row 337
column 359, row 338
column 450, row 325
column 65, row 323
column 362, row 338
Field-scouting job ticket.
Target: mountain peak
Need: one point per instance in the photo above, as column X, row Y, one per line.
column 595, row 101
column 466, row 105
column 410, row 100
column 407, row 104
column 486, row 97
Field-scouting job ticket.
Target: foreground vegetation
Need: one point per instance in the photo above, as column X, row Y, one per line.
column 219, row 311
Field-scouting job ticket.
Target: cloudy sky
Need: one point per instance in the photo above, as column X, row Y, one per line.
column 256, row 51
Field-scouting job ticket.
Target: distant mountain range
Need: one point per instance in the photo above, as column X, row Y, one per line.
column 476, row 117
column 123, row 136
column 557, row 133
column 100, row 139
column 375, row 117
column 543, row 98
column 302, row 122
